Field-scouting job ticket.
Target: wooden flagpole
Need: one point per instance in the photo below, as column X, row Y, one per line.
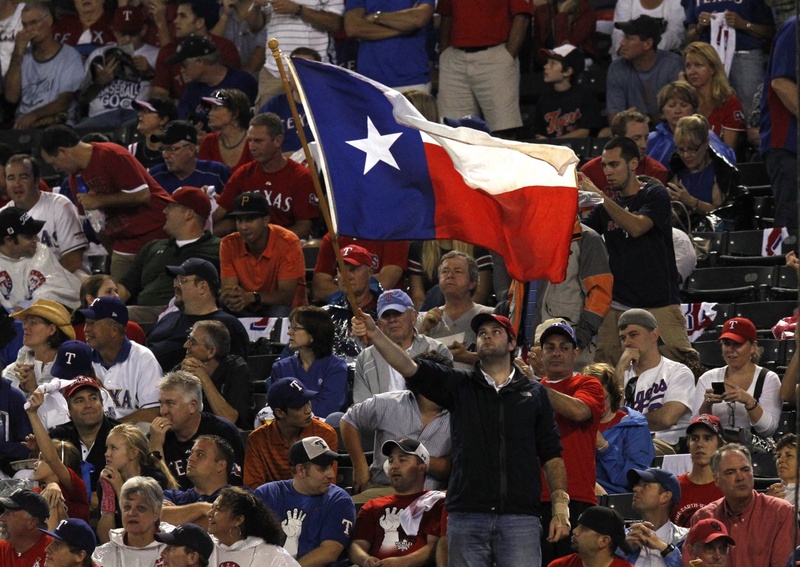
column 323, row 199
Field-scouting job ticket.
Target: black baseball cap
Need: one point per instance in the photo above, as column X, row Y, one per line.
column 14, row 221
column 252, row 203
column 177, row 131
column 188, row 535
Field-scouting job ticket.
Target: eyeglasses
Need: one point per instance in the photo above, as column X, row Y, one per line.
column 731, row 414
column 183, row 281
column 173, row 149
column 193, row 341
column 689, row 150
column 295, row 328
column 30, row 321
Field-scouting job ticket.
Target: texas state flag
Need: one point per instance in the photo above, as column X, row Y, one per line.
column 392, row 175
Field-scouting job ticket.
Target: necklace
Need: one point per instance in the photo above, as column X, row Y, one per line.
column 226, row 146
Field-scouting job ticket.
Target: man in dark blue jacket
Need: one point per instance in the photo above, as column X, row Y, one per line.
column 502, row 429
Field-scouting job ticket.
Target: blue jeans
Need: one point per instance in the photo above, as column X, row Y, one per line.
column 505, row 540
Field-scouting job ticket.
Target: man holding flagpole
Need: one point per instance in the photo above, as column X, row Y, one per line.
column 506, row 429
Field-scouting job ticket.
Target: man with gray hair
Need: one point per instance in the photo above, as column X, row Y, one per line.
column 135, row 546
column 182, row 420
column 660, row 388
column 761, row 525
column 22, row 514
column 458, row 280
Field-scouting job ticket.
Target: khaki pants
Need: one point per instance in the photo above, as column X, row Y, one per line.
column 671, row 324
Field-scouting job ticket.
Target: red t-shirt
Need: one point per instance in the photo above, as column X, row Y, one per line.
column 282, row 259
column 111, row 170
column 69, row 29
column 34, row 557
column 578, row 439
column 575, row 561
column 169, row 76
column 289, row 191
column 478, row 24
column 729, row 116
column 368, row 525
column 593, row 169
column 693, row 497
column 209, row 150
column 384, row 253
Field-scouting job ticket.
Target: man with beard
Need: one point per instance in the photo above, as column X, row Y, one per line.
column 196, row 283
column 493, row 510
column 600, row 531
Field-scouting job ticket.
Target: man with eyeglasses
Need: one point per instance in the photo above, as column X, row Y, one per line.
column 709, row 542
column 181, row 166
column 761, row 525
column 660, row 388
column 636, row 225
column 147, row 286
column 396, row 319
column 506, row 437
column 196, row 284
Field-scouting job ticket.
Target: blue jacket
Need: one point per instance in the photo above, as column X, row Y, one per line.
column 629, row 447
column 660, row 145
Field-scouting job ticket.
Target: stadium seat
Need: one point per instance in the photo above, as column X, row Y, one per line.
column 728, row 284
column 622, row 503
column 261, row 365
column 784, row 284
column 745, row 249
column 764, row 314
column 753, row 173
column 718, row 242
column 710, row 353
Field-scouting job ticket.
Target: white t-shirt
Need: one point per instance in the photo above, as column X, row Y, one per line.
column 8, row 35
column 119, row 93
column 670, row 381
column 133, row 382
column 24, row 280
column 770, row 401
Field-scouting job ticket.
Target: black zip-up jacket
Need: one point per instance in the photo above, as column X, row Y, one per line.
column 499, row 438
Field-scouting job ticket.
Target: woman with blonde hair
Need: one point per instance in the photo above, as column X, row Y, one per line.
column 623, row 436
column 127, row 455
column 717, row 100
column 702, row 179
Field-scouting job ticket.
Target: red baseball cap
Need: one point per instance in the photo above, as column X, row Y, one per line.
column 712, row 422
column 193, row 198
column 129, row 19
column 739, row 329
column 357, row 255
column 708, row 530
column 504, row 322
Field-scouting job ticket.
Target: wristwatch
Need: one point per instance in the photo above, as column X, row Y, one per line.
column 667, row 550
column 157, row 455
column 299, row 12
column 256, row 298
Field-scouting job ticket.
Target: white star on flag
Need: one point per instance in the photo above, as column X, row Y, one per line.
column 376, row 147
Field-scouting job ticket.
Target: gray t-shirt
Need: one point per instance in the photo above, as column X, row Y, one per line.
column 626, row 87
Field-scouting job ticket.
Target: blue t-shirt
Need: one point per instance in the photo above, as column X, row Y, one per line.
column 206, row 173
column 280, row 105
column 753, row 11
column 778, row 125
column 321, row 518
column 189, row 496
column 626, row 87
column 396, row 61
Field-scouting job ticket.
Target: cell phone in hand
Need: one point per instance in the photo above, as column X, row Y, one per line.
column 718, row 387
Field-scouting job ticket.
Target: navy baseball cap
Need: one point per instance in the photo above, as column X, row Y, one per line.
column 665, row 478
column 188, row 535
column 76, row 533
column 106, row 307
column 199, row 267
column 73, row 359
column 289, row 393
column 561, row 328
